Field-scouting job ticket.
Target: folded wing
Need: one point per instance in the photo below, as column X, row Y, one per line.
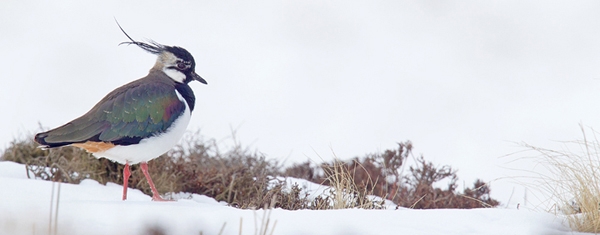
column 125, row 116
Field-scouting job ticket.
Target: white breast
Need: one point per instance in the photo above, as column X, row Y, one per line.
column 152, row 147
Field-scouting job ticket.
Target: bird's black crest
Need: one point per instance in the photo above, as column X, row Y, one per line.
column 152, row 47
column 157, row 48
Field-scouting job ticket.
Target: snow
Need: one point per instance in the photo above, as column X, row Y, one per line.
column 92, row 208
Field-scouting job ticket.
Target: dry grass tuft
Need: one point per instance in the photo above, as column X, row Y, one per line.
column 574, row 180
column 345, row 193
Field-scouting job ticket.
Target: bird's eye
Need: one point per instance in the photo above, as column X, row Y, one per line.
column 181, row 65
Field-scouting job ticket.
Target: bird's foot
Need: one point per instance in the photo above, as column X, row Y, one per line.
column 155, row 195
column 157, row 198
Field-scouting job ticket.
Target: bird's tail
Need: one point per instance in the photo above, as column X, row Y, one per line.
column 76, row 131
column 40, row 138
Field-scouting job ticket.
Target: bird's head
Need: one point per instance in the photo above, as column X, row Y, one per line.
column 175, row 62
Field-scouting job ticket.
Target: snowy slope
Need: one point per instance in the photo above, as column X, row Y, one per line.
column 92, row 208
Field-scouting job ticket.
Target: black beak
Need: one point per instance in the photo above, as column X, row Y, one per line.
column 198, row 78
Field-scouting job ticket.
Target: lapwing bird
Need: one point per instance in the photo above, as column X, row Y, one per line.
column 139, row 121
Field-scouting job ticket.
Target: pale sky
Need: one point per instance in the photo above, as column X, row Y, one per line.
column 299, row 80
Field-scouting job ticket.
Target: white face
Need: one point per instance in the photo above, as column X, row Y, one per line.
column 172, row 66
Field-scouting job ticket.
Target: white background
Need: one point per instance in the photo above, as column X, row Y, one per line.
column 464, row 81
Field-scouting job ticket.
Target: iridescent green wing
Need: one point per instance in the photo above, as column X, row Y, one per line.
column 125, row 116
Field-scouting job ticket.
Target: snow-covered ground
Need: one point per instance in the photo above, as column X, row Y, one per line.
column 92, row 208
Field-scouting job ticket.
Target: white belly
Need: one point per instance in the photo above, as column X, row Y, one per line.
column 152, row 147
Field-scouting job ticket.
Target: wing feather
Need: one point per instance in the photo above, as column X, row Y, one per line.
column 125, row 116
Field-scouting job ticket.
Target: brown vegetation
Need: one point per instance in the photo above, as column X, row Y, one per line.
column 381, row 175
column 246, row 179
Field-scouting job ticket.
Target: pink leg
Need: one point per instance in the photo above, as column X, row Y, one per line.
column 126, row 174
column 155, row 195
